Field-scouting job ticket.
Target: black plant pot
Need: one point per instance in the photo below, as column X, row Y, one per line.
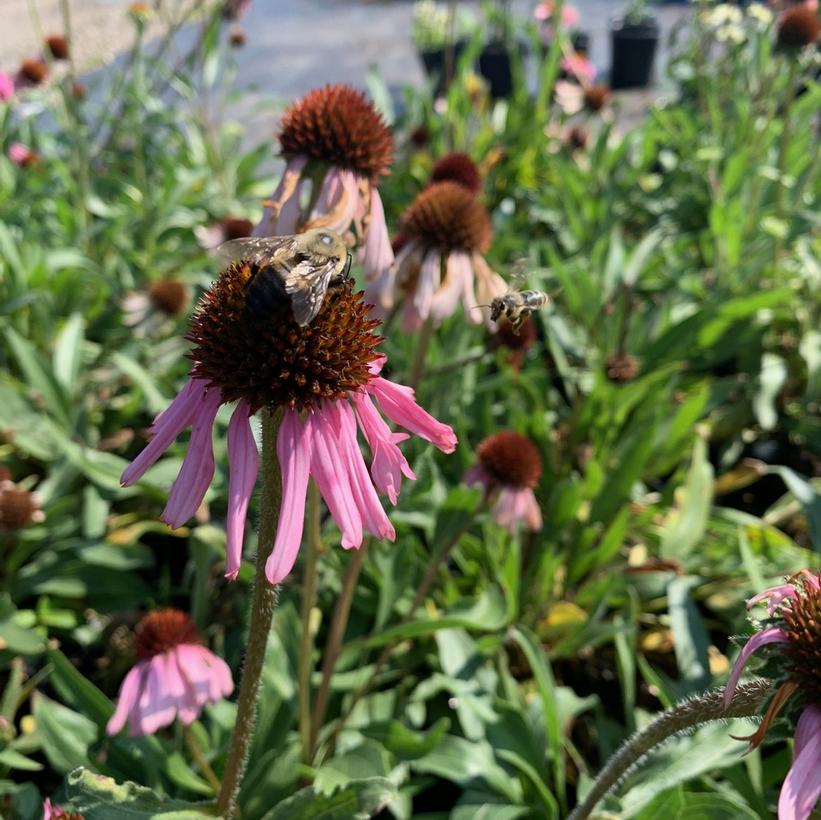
column 435, row 62
column 495, row 66
column 634, row 49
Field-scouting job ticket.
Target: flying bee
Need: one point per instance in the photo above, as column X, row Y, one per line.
column 296, row 269
column 517, row 305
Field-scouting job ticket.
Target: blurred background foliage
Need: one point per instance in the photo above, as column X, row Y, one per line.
column 672, row 387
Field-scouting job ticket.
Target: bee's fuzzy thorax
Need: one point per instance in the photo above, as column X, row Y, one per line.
column 274, row 362
column 339, row 126
column 448, row 217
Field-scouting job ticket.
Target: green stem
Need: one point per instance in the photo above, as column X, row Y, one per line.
column 339, row 623
column 312, row 551
column 263, row 603
column 199, row 758
column 747, row 700
column 786, row 135
column 422, row 344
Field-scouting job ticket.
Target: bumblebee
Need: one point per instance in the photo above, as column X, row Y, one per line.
column 290, row 269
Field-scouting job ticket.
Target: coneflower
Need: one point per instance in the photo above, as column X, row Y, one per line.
column 175, row 676
column 793, row 635
column 57, row 46
column 621, row 367
column 19, row 507
column 210, row 237
column 460, row 168
column 148, row 309
column 798, row 27
column 324, row 378
column 22, row 155
column 52, row 812
column 32, row 71
column 447, row 230
column 509, row 467
column 596, row 97
column 334, row 138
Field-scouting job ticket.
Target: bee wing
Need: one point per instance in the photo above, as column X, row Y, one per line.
column 251, row 248
column 307, row 285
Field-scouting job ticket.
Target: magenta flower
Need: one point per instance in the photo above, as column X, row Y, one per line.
column 509, row 467
column 446, row 231
column 21, row 154
column 175, row 676
column 580, row 67
column 51, row 812
column 334, row 138
column 794, row 631
column 324, row 379
column 6, row 86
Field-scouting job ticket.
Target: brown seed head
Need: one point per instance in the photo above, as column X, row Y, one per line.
column 798, row 27
column 169, row 296
column 448, row 217
column 621, row 367
column 802, row 623
column 277, row 363
column 596, row 97
column 460, row 168
column 34, row 71
column 78, row 91
column 236, row 37
column 338, row 125
column 511, row 459
column 18, row 507
column 162, row 631
column 234, row 227
column 577, row 138
column 420, row 136
column 57, row 46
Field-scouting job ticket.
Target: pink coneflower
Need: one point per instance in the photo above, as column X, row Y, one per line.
column 51, row 812
column 19, row 507
column 794, row 632
column 6, row 86
column 545, row 12
column 210, row 237
column 509, row 467
column 334, row 138
column 32, row 72
column 798, row 27
column 148, row 310
column 578, row 66
column 175, row 676
column 447, row 231
column 324, row 378
column 22, row 155
column 457, row 167
column 57, row 46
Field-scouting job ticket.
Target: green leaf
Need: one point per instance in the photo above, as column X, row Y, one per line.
column 14, row 760
column 770, row 381
column 808, row 497
column 101, row 798
column 66, row 734
column 403, row 742
column 682, row 805
column 690, row 638
column 357, row 800
column 67, row 352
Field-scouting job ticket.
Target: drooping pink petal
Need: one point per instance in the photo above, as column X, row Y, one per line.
column 802, row 786
column 388, row 464
column 377, row 255
column 166, row 427
column 6, row 86
column 206, row 674
column 287, row 222
column 337, row 202
column 286, row 193
column 446, row 299
column 128, row 698
column 515, row 506
column 243, row 462
column 188, row 708
column 472, row 312
column 427, row 284
column 774, row 596
column 197, row 469
column 362, row 490
column 328, row 467
column 770, row 635
column 399, row 405
column 157, row 707
column 532, row 512
column 294, row 454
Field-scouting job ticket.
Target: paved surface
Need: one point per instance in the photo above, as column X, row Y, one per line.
column 294, row 45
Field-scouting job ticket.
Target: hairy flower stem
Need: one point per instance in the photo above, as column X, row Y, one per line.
column 339, row 623
column 312, row 551
column 263, row 603
column 748, row 699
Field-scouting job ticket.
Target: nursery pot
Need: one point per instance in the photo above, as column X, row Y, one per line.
column 634, row 49
column 435, row 62
column 494, row 66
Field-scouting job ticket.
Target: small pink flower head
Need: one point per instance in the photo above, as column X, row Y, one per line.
column 794, row 630
column 6, row 86
column 545, row 12
column 51, row 812
column 175, row 676
column 323, row 377
column 336, row 131
column 578, row 66
column 22, row 155
column 447, row 231
column 509, row 467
